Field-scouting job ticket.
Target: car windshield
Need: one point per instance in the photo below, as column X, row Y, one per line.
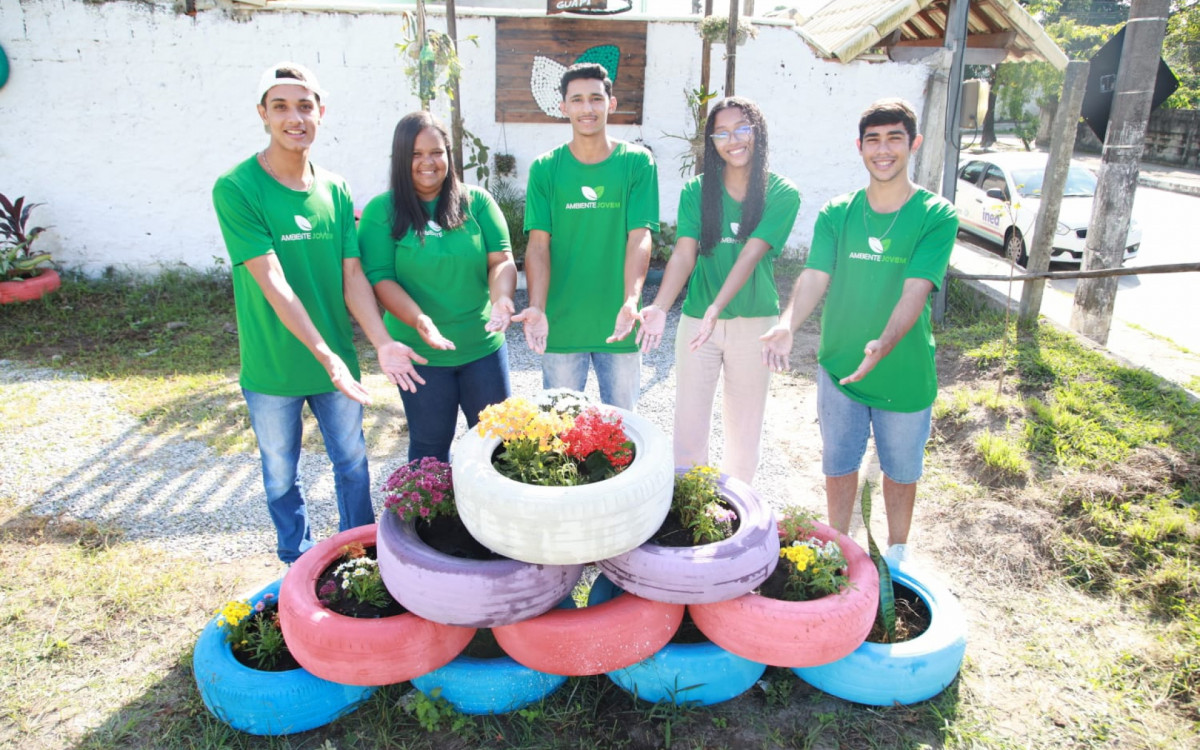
column 1081, row 182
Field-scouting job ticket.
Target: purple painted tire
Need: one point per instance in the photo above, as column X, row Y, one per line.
column 706, row 573
column 458, row 591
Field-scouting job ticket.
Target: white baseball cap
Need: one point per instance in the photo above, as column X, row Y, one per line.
column 289, row 74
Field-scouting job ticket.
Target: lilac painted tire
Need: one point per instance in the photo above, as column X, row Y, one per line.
column 705, row 573
column 459, row 591
column 883, row 674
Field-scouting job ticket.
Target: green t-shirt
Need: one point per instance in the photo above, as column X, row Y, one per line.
column 866, row 284
column 758, row 297
column 311, row 232
column 447, row 276
column 589, row 211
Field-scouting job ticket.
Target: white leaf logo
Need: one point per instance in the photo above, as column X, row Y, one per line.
column 303, row 223
column 543, row 84
column 589, row 193
column 876, row 245
column 734, row 227
column 433, row 226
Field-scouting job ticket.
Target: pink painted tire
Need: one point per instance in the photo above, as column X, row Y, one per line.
column 355, row 651
column 598, row 638
column 458, row 591
column 798, row 634
column 705, row 573
column 36, row 287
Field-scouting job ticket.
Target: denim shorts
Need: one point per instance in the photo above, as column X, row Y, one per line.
column 900, row 437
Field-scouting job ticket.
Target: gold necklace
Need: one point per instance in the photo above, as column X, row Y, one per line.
column 876, row 243
column 262, row 157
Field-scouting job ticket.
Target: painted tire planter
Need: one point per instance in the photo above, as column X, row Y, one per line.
column 608, row 634
column 798, row 634
column 459, row 591
column 488, row 686
column 710, row 572
column 266, row 703
column 29, row 289
column 689, row 673
column 358, row 651
column 565, row 525
column 882, row 674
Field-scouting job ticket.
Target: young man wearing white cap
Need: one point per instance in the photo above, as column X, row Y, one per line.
column 289, row 229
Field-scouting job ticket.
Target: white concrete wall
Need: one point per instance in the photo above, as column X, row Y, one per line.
column 119, row 116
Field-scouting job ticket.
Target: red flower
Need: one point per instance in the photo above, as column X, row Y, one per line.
column 596, row 431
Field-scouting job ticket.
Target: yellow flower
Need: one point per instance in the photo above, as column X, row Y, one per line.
column 233, row 613
column 800, row 556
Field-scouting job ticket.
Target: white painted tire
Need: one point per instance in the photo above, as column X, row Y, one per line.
column 705, row 573
column 883, row 674
column 565, row 525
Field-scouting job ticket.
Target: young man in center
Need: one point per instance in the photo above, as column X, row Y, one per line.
column 879, row 252
column 590, row 207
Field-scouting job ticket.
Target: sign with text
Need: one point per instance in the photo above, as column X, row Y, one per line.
column 565, row 6
column 533, row 53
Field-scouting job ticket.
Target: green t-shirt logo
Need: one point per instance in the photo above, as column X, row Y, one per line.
column 592, row 194
column 878, row 246
column 304, row 224
column 434, row 228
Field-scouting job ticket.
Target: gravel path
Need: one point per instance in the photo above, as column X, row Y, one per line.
column 71, row 450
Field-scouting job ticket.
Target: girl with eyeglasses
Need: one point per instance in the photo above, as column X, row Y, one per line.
column 733, row 221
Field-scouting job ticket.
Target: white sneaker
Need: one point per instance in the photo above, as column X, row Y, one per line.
column 898, row 553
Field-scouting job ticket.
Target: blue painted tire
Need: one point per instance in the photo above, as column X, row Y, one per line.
column 706, row 573
column 882, row 674
column 488, row 686
column 266, row 703
column 699, row 674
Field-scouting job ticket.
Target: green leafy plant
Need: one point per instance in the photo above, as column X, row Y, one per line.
column 815, row 568
column 433, row 712
column 697, row 504
column 714, row 29
column 356, row 578
column 885, row 616
column 506, row 165
column 422, row 488
column 511, row 200
column 696, row 101
column 435, row 66
column 17, row 257
column 477, row 157
column 254, row 631
column 558, row 441
column 663, row 241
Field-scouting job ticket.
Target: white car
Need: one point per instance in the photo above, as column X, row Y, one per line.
column 998, row 197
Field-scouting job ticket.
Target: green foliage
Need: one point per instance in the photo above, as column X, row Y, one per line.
column 696, row 101
column 815, row 568
column 511, row 200
column 698, row 505
column 663, row 241
column 434, row 713
column 1181, row 50
column 714, row 29
column 1001, row 455
column 17, row 258
column 885, row 614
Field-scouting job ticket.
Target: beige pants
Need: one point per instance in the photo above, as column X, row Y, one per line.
column 733, row 349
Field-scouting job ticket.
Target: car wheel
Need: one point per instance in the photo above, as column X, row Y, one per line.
column 1014, row 247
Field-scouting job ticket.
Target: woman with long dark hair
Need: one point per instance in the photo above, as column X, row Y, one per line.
column 734, row 219
column 437, row 253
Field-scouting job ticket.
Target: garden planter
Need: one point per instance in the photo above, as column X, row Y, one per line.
column 460, row 591
column 358, row 651
column 602, row 637
column 689, row 674
column 24, row 290
column 798, row 634
column 709, row 572
column 266, row 703
column 565, row 525
column 482, row 684
column 882, row 674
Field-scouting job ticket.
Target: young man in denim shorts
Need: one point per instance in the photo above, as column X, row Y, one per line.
column 879, row 252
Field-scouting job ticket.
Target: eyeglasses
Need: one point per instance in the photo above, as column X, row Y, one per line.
column 740, row 133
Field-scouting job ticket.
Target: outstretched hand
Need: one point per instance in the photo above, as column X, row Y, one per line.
column 708, row 324
column 626, row 317
column 873, row 352
column 396, row 360
column 502, row 315
column 344, row 381
column 654, row 323
column 537, row 328
column 777, row 347
column 430, row 334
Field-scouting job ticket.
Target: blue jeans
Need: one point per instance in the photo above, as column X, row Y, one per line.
column 619, row 375
column 277, row 425
column 900, row 437
column 432, row 412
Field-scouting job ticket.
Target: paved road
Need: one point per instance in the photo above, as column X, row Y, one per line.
column 1156, row 315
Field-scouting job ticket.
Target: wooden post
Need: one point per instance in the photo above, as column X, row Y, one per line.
column 731, row 48
column 956, row 39
column 705, row 61
column 1123, row 146
column 456, row 128
column 1062, row 145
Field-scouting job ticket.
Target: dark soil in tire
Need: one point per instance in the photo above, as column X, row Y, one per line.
column 350, row 607
column 912, row 616
column 447, row 535
column 673, row 533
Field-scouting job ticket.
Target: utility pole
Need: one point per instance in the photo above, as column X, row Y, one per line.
column 456, row 128
column 731, row 48
column 1062, row 145
column 1123, row 146
column 956, row 40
